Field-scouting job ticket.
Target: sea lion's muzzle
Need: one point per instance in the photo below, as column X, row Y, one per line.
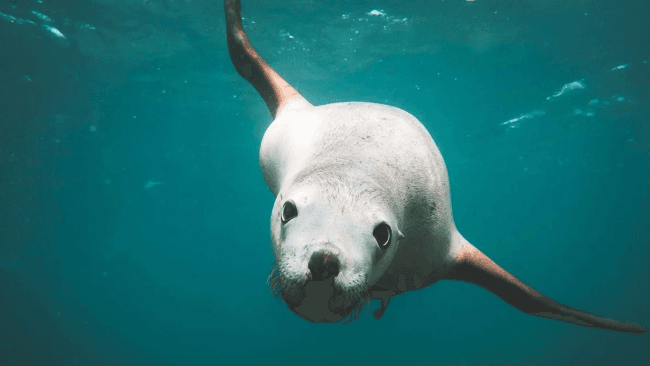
column 323, row 293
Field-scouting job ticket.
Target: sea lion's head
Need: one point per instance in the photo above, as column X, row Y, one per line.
column 333, row 238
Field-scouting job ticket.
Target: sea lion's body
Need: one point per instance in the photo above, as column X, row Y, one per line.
column 362, row 205
column 380, row 144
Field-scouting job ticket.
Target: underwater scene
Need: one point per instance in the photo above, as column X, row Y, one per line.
column 136, row 225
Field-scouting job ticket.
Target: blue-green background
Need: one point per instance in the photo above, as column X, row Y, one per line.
column 541, row 110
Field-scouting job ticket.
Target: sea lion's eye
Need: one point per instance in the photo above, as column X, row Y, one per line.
column 289, row 211
column 382, row 234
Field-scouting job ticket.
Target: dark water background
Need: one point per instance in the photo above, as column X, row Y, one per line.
column 134, row 222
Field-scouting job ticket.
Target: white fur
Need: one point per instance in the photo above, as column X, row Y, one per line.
column 384, row 153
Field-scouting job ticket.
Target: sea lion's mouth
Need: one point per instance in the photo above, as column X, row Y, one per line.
column 319, row 301
column 322, row 302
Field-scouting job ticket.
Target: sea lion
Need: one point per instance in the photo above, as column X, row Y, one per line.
column 362, row 205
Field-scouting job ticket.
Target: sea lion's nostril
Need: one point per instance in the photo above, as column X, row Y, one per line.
column 323, row 266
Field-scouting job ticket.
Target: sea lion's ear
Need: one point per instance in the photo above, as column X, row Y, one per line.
column 471, row 265
column 275, row 91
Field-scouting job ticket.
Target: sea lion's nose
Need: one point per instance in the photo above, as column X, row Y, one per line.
column 323, row 266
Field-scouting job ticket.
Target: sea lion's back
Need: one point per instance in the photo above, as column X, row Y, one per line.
column 384, row 141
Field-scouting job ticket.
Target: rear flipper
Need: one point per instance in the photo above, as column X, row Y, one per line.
column 475, row 267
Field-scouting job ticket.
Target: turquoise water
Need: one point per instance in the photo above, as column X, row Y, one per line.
column 134, row 221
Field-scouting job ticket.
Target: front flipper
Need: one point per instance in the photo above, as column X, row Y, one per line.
column 377, row 292
column 275, row 91
column 475, row 267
